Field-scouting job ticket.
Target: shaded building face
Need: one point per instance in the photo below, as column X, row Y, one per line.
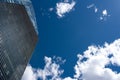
column 17, row 40
column 29, row 9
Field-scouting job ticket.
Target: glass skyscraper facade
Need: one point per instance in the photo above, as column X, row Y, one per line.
column 29, row 8
column 18, row 37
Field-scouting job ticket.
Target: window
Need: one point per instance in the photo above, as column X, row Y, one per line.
column 7, row 72
column 4, row 66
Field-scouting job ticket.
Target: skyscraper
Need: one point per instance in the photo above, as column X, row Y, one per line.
column 18, row 38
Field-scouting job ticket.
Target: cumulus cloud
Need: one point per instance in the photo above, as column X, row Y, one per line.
column 105, row 12
column 64, row 7
column 104, row 15
column 91, row 65
column 51, row 69
column 29, row 74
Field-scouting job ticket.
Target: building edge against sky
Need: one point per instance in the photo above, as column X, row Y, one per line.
column 29, row 8
column 18, row 39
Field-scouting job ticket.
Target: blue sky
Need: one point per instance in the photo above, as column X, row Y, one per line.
column 86, row 24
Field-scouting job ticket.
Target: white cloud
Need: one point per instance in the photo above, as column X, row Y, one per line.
column 69, row 78
column 93, row 6
column 96, row 9
column 97, row 58
column 64, row 7
column 104, row 12
column 90, row 6
column 29, row 74
column 90, row 66
column 51, row 69
column 51, row 9
column 104, row 15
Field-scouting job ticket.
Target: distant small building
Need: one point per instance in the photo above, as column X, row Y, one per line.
column 18, row 39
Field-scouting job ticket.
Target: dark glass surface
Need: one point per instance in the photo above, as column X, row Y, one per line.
column 17, row 40
column 29, row 8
